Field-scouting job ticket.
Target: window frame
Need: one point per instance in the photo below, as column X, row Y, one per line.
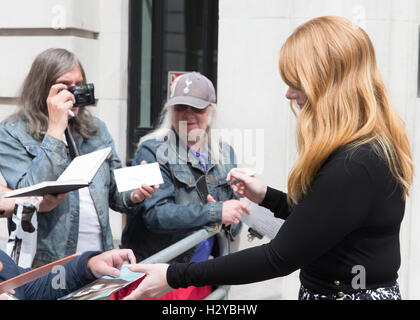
column 134, row 130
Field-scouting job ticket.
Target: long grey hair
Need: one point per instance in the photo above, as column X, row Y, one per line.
column 47, row 67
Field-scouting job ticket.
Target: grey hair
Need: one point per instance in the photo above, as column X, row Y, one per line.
column 47, row 67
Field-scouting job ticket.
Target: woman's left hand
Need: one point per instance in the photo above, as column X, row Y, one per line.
column 50, row 201
column 154, row 284
column 145, row 191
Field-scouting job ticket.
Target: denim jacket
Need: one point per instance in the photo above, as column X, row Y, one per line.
column 175, row 209
column 25, row 161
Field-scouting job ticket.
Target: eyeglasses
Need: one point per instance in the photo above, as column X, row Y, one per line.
column 183, row 107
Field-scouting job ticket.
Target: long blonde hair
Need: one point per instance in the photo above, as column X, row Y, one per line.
column 333, row 62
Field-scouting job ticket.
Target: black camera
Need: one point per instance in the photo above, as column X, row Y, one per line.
column 84, row 94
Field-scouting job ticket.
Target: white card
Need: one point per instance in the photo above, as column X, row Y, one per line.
column 131, row 178
column 262, row 220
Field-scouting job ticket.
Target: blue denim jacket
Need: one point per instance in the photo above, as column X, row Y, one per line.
column 175, row 210
column 25, row 161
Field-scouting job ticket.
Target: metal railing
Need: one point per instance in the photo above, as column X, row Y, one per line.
column 187, row 243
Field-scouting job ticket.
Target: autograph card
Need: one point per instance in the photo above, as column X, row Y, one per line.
column 131, row 178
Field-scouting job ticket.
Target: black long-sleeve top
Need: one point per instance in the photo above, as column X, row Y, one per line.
column 349, row 219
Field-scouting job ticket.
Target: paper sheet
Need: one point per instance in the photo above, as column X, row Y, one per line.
column 131, row 178
column 85, row 166
column 262, row 220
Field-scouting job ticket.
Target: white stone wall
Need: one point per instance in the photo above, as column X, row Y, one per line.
column 251, row 95
column 250, row 90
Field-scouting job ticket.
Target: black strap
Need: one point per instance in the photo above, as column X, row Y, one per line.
column 200, row 183
column 203, row 191
column 74, row 152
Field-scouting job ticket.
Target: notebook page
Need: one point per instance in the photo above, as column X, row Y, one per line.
column 85, row 167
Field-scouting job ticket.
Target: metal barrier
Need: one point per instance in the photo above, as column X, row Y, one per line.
column 187, row 243
column 221, row 292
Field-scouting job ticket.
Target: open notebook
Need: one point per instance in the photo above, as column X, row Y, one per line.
column 78, row 174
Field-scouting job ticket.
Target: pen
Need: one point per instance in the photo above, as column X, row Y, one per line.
column 250, row 173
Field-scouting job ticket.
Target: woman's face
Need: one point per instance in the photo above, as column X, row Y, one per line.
column 193, row 118
column 299, row 96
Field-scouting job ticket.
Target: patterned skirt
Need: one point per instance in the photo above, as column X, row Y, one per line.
column 387, row 293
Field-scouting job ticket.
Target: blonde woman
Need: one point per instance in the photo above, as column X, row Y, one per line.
column 346, row 192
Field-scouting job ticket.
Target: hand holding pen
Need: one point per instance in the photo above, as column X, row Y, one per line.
column 244, row 184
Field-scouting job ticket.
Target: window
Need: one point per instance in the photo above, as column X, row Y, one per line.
column 165, row 35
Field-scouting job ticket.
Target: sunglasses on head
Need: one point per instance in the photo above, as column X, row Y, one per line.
column 183, row 107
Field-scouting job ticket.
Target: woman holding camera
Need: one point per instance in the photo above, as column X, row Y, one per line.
column 34, row 148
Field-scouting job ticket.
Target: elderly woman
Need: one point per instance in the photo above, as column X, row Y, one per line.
column 194, row 167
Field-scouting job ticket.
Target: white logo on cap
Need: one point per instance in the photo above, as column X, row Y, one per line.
column 187, row 89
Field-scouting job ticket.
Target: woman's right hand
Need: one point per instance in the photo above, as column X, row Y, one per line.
column 59, row 102
column 232, row 210
column 246, row 186
column 154, row 284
